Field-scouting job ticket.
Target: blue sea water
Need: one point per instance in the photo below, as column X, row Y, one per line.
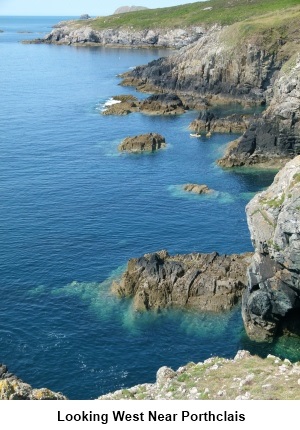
column 73, row 211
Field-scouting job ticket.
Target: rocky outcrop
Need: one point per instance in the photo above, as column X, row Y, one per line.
column 157, row 104
column 208, row 122
column 12, row 388
column 149, row 142
column 213, row 67
column 125, row 9
column 71, row 33
column 271, row 304
column 210, row 282
column 275, row 137
column 245, row 377
column 197, row 189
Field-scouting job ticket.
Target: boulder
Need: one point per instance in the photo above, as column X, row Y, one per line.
column 197, row 189
column 149, row 142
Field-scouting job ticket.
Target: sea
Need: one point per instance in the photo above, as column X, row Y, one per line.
column 73, row 211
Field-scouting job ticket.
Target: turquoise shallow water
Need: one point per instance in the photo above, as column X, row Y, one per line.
column 73, row 211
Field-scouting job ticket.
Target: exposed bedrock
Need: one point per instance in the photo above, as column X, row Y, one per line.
column 148, row 142
column 12, row 388
column 275, row 137
column 208, row 122
column 271, row 304
column 70, row 33
column 210, row 282
column 213, row 67
column 157, row 104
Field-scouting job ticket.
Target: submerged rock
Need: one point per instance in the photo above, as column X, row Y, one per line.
column 197, row 189
column 210, row 282
column 12, row 388
column 271, row 304
column 144, row 142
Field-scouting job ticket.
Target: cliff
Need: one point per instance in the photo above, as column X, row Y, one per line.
column 13, row 388
column 271, row 303
column 276, row 135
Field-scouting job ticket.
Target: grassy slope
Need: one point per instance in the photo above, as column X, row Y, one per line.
column 223, row 12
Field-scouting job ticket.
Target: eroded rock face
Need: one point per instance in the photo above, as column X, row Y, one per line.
column 149, row 142
column 208, row 122
column 12, row 388
column 210, row 282
column 71, row 33
column 275, row 137
column 211, row 67
column 271, row 304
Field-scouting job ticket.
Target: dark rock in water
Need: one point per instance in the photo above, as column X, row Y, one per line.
column 85, row 16
column 273, row 138
column 163, row 104
column 144, row 142
column 208, row 122
column 12, row 388
column 158, row 104
column 197, row 189
column 271, row 304
column 210, row 282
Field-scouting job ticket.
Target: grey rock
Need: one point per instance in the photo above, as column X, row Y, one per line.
column 271, row 303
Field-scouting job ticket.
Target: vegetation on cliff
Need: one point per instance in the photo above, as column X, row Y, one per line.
column 199, row 13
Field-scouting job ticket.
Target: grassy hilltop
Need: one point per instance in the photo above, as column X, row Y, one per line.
column 222, row 12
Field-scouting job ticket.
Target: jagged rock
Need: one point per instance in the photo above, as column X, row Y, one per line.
column 12, row 388
column 271, row 304
column 125, row 9
column 158, row 104
column 275, row 137
column 197, row 189
column 211, row 67
column 210, row 282
column 85, row 16
column 69, row 33
column 208, row 122
column 144, row 142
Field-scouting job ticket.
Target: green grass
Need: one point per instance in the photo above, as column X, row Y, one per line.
column 223, row 12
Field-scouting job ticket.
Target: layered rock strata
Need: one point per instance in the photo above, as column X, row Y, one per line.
column 210, row 282
column 213, row 67
column 208, row 122
column 149, row 142
column 271, row 304
column 73, row 33
column 12, row 388
column 275, row 137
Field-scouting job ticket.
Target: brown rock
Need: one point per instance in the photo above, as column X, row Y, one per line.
column 143, row 142
column 197, row 189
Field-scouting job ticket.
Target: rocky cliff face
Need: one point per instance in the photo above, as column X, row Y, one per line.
column 210, row 282
column 212, row 67
column 12, row 388
column 276, row 135
column 271, row 304
column 69, row 33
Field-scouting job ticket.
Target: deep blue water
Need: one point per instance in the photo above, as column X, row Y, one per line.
column 73, row 211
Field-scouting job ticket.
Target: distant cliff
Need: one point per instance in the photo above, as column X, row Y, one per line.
column 125, row 9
